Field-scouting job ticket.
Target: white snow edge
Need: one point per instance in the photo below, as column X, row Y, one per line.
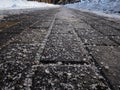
column 100, row 13
column 23, row 4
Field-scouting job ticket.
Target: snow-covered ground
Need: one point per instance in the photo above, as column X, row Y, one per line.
column 107, row 6
column 22, row 4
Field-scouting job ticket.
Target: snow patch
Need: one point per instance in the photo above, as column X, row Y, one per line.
column 23, row 4
column 107, row 6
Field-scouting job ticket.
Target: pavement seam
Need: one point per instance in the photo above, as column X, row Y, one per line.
column 42, row 46
column 103, row 34
column 9, row 41
column 28, row 80
column 101, row 71
column 80, row 41
column 95, row 62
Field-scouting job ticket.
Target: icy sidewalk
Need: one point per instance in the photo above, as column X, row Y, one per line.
column 60, row 49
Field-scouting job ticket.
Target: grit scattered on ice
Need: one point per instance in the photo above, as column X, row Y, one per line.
column 22, row 4
column 107, row 6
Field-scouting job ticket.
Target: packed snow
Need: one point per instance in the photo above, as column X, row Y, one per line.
column 22, row 4
column 107, row 6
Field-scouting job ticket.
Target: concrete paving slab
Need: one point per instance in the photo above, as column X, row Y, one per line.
column 98, row 41
column 62, row 27
column 18, row 51
column 92, row 37
column 32, row 36
column 63, row 47
column 40, row 25
column 67, row 77
column 82, row 25
column 102, row 27
column 108, row 58
column 15, row 62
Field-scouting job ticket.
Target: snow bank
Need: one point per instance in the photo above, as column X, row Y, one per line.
column 100, row 13
column 22, row 4
column 107, row 6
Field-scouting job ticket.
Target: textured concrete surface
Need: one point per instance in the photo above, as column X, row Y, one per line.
column 58, row 49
